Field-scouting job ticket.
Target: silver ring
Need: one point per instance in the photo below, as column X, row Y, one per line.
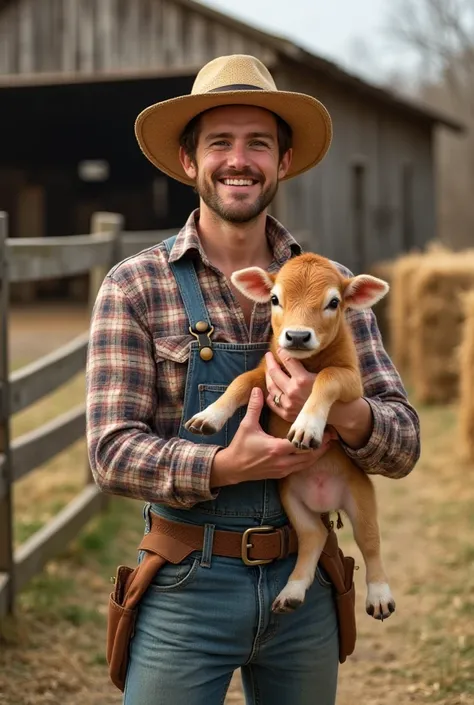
column 276, row 399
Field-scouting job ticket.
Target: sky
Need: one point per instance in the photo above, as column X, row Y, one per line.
column 353, row 33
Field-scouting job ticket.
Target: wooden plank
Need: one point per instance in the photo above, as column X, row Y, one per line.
column 6, row 499
column 25, row 37
column 4, row 594
column 69, row 36
column 51, row 540
column 40, row 445
column 46, row 258
column 3, row 477
column 103, row 222
column 43, row 376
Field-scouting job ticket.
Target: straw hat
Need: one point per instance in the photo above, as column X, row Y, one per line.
column 233, row 80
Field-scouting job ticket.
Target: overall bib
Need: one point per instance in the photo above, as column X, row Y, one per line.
column 201, row 620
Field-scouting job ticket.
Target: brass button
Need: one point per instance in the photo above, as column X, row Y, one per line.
column 202, row 326
column 206, row 354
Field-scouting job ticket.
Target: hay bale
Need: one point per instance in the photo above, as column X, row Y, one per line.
column 401, row 303
column 400, row 309
column 383, row 270
column 466, row 380
column 436, row 325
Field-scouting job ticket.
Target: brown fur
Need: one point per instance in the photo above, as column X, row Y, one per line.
column 303, row 284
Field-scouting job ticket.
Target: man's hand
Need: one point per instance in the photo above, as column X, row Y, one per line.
column 293, row 388
column 254, row 455
column 351, row 421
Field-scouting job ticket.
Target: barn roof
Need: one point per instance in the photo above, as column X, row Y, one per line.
column 285, row 49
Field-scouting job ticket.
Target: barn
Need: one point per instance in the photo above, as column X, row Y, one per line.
column 75, row 73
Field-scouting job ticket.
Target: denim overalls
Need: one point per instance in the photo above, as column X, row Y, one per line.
column 248, row 503
column 201, row 620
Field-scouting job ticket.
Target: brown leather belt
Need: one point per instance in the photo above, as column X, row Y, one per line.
column 255, row 546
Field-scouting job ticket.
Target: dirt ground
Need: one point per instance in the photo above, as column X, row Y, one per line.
column 53, row 650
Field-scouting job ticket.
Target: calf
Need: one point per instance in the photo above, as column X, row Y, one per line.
column 309, row 297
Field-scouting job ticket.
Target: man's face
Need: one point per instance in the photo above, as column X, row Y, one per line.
column 237, row 166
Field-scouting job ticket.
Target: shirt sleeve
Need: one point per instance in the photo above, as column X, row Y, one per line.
column 394, row 445
column 125, row 455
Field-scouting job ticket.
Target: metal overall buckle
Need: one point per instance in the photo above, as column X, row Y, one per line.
column 246, row 545
column 203, row 333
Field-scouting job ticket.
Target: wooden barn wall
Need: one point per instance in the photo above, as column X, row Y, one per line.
column 89, row 36
column 320, row 202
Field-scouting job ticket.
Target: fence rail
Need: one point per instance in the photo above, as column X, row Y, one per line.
column 32, row 259
column 45, row 375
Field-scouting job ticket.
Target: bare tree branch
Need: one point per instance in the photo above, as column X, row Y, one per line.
column 441, row 32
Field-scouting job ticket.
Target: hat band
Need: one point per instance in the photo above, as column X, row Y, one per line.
column 236, row 87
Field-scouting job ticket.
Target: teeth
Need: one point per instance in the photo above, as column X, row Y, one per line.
column 238, row 182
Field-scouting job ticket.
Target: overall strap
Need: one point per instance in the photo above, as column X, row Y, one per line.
column 199, row 322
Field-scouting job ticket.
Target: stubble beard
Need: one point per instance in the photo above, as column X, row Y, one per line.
column 234, row 213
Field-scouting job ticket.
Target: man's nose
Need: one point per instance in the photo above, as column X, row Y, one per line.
column 238, row 158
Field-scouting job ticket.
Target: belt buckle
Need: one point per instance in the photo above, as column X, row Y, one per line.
column 246, row 545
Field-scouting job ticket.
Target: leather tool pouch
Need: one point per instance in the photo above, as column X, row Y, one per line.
column 340, row 570
column 130, row 586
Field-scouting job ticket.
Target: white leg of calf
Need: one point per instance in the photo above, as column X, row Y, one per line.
column 211, row 420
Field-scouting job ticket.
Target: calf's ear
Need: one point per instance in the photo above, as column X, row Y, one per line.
column 364, row 291
column 254, row 283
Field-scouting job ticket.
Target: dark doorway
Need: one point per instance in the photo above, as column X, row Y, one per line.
column 48, row 132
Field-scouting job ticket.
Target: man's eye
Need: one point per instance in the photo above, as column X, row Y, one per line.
column 274, row 300
column 333, row 304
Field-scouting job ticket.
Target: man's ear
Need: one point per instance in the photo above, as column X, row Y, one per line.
column 188, row 164
column 285, row 164
column 254, row 283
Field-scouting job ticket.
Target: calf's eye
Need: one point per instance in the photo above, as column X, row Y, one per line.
column 274, row 300
column 333, row 304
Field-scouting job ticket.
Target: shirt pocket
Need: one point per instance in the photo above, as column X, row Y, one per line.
column 171, row 359
column 172, row 347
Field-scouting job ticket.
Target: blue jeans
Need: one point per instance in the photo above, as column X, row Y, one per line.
column 198, row 623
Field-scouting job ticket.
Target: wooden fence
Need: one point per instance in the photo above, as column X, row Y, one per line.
column 33, row 259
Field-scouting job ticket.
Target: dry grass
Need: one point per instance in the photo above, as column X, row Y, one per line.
column 54, row 650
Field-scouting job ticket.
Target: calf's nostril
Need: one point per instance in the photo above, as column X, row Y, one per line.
column 297, row 338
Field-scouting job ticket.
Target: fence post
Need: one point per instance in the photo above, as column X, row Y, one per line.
column 103, row 222
column 6, row 510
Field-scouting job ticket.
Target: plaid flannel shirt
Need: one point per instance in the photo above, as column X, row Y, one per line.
column 136, row 375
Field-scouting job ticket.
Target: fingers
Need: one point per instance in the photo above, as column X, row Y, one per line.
column 280, row 410
column 255, row 405
column 295, row 367
column 279, row 378
column 310, row 458
column 332, row 433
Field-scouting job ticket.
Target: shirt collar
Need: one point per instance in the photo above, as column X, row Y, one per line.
column 282, row 244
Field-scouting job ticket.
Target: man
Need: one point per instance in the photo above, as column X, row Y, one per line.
column 169, row 332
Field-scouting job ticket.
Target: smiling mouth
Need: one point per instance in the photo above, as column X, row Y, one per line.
column 238, row 182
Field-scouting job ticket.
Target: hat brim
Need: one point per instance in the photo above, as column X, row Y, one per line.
column 159, row 127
